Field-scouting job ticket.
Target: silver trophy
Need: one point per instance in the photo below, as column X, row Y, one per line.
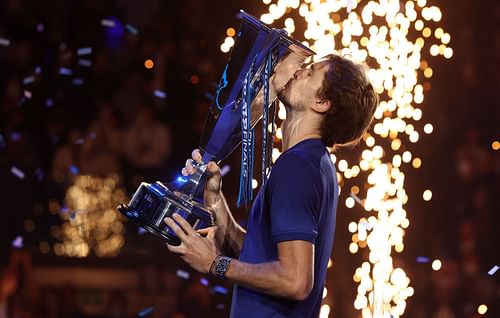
column 241, row 99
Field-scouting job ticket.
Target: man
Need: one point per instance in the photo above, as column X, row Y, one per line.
column 284, row 252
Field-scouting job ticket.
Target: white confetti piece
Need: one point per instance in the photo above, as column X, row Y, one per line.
column 18, row 242
column 493, row 270
column 17, row 172
column 27, row 94
column 65, row 71
column 4, row 42
column 145, row 312
column 131, row 29
column 350, row 5
column 160, row 94
column 85, row 63
column 182, row 274
column 108, row 23
column 225, row 170
column 28, row 80
column 84, row 51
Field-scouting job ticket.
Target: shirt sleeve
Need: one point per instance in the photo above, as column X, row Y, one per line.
column 294, row 189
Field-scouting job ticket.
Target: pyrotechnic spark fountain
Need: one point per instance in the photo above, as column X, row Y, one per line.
column 393, row 37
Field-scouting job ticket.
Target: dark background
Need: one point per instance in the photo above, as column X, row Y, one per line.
column 58, row 129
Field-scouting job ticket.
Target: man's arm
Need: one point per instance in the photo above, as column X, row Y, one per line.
column 290, row 276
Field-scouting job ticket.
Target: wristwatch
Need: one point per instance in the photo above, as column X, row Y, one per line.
column 222, row 264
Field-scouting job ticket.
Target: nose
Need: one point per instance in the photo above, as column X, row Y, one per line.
column 298, row 72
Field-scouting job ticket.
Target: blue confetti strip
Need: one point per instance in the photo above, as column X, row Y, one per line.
column 38, row 70
column 17, row 172
column 18, row 242
column 28, row 80
column 225, row 170
column 15, row 136
column 39, row 174
column 209, row 96
column 78, row 81
column 84, row 63
column 204, row 281
column 141, row 231
column 220, row 306
column 74, row 169
column 108, row 23
column 422, row 259
column 146, row 312
column 182, row 274
column 84, row 51
column 131, row 29
column 40, row 27
column 49, row 103
column 493, row 270
column 4, row 42
column 65, row 71
column 219, row 289
column 160, row 94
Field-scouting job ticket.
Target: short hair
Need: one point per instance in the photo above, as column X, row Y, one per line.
column 353, row 102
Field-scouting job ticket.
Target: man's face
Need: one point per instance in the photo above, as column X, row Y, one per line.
column 302, row 89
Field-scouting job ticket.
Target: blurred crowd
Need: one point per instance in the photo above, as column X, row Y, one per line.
column 122, row 88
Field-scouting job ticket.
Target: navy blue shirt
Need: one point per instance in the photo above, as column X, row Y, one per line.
column 300, row 202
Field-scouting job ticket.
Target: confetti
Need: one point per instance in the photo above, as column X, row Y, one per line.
column 28, row 80
column 84, row 62
column 17, row 172
column 493, row 270
column 84, row 51
column 146, row 312
column 182, row 274
column 79, row 141
column 65, row 71
column 4, row 42
column 62, row 46
column 225, row 170
column 74, row 169
column 39, row 174
column 367, row 225
column 92, row 135
column 160, row 94
column 350, row 5
column 18, row 242
column 357, row 199
column 78, row 81
column 204, row 281
column 40, row 27
column 38, row 70
column 422, row 259
column 141, row 231
column 15, row 136
column 219, row 289
column 108, row 23
column 209, row 96
column 49, row 103
column 220, row 306
column 131, row 29
column 27, row 94
column 66, row 56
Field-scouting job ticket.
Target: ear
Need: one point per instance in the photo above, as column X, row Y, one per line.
column 322, row 106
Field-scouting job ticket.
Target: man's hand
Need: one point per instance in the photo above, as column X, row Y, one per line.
column 213, row 192
column 197, row 251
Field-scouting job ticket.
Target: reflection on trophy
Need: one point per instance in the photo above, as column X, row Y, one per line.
column 241, row 99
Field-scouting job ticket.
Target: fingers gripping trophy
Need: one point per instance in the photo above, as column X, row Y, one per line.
column 262, row 61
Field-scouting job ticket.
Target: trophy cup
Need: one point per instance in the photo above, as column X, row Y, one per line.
column 240, row 101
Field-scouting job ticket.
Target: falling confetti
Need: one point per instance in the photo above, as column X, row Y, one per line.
column 182, row 274
column 39, row 174
column 17, row 172
column 4, row 42
column 28, row 94
column 350, row 5
column 220, row 290
column 18, row 242
column 49, row 103
column 108, row 23
column 422, row 259
column 357, row 199
column 84, row 63
column 131, row 29
column 40, row 27
column 160, row 94
column 84, row 51
column 220, row 306
column 225, row 170
column 28, row 80
column 146, row 312
column 78, row 81
column 74, row 169
column 65, row 71
column 141, row 231
column 493, row 270
column 15, row 136
column 204, row 281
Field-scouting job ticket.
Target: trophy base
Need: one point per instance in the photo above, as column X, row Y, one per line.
column 152, row 203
